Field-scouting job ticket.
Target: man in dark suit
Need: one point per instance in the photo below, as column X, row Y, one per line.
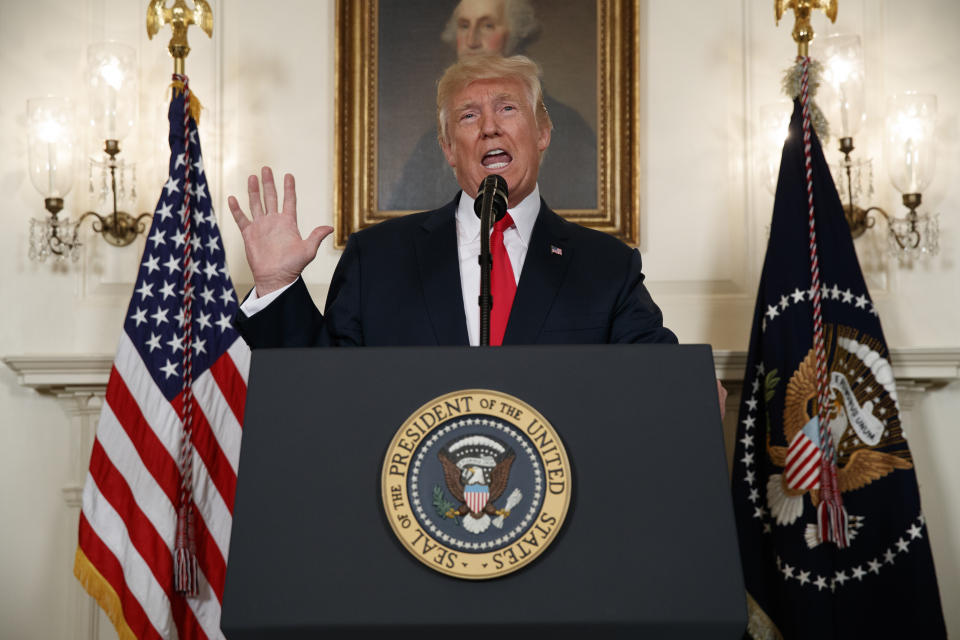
column 414, row 280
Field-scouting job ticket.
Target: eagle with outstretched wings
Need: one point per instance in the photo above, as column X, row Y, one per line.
column 457, row 479
column 179, row 16
column 857, row 463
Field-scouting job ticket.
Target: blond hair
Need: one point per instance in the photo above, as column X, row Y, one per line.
column 462, row 73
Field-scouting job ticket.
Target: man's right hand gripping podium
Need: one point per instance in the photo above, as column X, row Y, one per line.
column 416, row 281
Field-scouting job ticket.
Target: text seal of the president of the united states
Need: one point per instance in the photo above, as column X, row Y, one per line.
column 476, row 484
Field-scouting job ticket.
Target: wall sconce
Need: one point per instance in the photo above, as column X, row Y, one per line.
column 50, row 155
column 111, row 80
column 909, row 149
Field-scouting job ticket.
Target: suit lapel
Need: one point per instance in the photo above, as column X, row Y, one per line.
column 439, row 264
column 544, row 268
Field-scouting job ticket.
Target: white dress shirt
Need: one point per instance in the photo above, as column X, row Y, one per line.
column 516, row 239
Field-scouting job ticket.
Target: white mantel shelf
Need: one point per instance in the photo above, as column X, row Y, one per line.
column 62, row 373
column 921, row 368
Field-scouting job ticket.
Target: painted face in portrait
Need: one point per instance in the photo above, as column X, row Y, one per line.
column 492, row 129
column 481, row 27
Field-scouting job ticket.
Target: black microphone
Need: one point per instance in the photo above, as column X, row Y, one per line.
column 492, row 197
column 490, row 205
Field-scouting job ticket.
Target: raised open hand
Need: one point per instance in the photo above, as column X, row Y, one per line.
column 276, row 251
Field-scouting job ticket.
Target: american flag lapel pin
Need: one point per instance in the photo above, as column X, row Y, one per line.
column 554, row 249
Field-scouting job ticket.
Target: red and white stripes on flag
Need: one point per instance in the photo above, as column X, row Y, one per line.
column 128, row 519
column 135, row 485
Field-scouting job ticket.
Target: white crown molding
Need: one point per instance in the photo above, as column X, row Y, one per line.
column 930, row 367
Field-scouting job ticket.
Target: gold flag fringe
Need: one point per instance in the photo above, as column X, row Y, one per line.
column 100, row 590
column 791, row 87
column 195, row 105
column 759, row 624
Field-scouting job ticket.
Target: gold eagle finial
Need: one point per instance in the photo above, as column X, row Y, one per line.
column 802, row 29
column 179, row 17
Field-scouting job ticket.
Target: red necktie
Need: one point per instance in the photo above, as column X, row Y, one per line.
column 503, row 285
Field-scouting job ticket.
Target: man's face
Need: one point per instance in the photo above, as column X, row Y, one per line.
column 492, row 129
column 481, row 27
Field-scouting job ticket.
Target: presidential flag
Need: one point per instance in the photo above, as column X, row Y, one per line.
column 164, row 464
column 832, row 538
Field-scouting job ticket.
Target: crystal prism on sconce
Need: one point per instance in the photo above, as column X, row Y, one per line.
column 99, row 183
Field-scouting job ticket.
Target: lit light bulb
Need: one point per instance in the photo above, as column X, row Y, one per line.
column 111, row 73
column 843, row 94
column 50, row 145
column 49, row 130
column 911, row 118
column 111, row 89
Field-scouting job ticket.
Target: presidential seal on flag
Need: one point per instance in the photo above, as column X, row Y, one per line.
column 476, row 484
column 863, row 425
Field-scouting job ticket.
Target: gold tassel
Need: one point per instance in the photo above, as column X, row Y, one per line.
column 195, row 105
column 103, row 592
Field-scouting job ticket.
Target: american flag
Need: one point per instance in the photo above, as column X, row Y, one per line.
column 128, row 522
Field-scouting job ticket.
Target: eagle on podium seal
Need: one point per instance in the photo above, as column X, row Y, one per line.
column 476, row 484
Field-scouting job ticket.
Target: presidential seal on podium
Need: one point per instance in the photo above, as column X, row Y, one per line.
column 476, row 484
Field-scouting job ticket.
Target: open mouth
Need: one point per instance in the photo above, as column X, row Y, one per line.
column 496, row 159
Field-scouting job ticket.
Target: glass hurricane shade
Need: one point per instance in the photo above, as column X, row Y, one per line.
column 51, row 145
column 111, row 79
column 910, row 144
column 842, row 90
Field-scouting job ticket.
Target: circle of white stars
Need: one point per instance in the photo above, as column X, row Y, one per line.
column 840, row 578
column 509, row 536
column 857, row 573
column 798, row 296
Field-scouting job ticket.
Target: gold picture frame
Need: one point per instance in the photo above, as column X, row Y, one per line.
column 359, row 130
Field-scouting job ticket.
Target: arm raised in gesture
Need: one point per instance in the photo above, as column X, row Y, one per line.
column 276, row 252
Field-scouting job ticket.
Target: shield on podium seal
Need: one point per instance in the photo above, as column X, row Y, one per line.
column 476, row 484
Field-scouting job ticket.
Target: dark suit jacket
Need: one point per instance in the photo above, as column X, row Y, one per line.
column 398, row 284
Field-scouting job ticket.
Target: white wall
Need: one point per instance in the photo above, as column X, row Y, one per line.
column 267, row 80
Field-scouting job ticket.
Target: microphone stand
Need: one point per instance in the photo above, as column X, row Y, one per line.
column 486, row 266
column 491, row 204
